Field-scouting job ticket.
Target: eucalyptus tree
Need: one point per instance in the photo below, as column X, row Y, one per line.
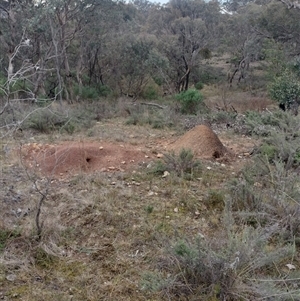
column 18, row 62
column 281, row 24
column 184, row 28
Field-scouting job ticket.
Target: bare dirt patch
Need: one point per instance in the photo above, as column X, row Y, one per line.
column 69, row 158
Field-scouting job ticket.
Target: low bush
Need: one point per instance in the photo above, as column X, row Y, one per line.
column 189, row 101
column 225, row 268
column 199, row 86
column 183, row 164
column 285, row 89
column 267, row 194
column 6, row 235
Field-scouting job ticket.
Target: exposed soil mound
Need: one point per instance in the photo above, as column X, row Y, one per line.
column 202, row 141
column 70, row 158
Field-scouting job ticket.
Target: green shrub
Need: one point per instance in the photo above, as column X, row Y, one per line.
column 6, row 235
column 189, row 101
column 199, row 85
column 91, row 92
column 285, row 89
column 269, row 151
column 221, row 117
column 225, row 268
column 182, row 164
column 86, row 92
column 150, row 93
column 265, row 123
column 267, row 194
column 215, row 199
column 104, row 91
column 44, row 121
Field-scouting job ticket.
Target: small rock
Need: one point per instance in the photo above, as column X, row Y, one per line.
column 176, row 210
column 159, row 156
column 11, row 277
column 290, row 266
column 166, row 173
column 101, row 147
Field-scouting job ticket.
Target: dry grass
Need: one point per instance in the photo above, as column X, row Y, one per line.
column 222, row 97
column 102, row 231
column 98, row 233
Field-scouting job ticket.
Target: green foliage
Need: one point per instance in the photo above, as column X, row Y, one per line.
column 5, row 236
column 223, row 268
column 208, row 74
column 182, row 164
column 199, row 85
column 149, row 209
column 265, row 123
column 215, row 199
column 91, row 92
column 264, row 191
column 294, row 65
column 285, row 89
column 86, row 92
column 44, row 121
column 221, row 117
column 274, row 54
column 158, row 168
column 206, row 53
column 268, row 150
column 156, row 118
column 189, row 101
column 43, row 259
column 150, row 92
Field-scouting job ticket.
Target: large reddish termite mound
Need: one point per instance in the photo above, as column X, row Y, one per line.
column 202, row 141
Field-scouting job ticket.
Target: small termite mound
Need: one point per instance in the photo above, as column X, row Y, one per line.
column 202, row 141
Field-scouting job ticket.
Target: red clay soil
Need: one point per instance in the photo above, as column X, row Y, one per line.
column 70, row 158
column 202, row 141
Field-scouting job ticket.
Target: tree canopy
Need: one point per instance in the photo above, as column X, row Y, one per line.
column 59, row 48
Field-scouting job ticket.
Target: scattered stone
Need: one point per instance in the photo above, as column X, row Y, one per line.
column 11, row 277
column 159, row 156
column 166, row 173
column 290, row 266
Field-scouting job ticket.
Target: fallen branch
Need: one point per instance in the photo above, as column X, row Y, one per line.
column 153, row 105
